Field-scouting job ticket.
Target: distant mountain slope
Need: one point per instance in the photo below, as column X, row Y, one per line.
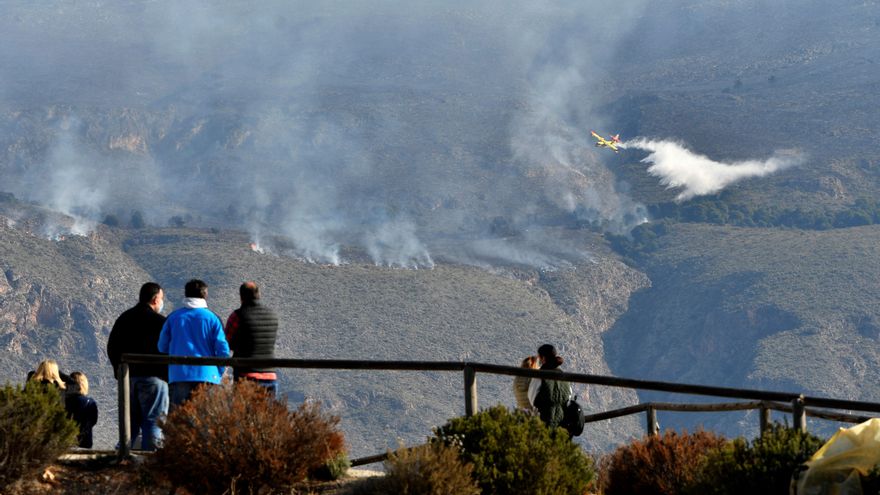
column 58, row 299
column 766, row 308
column 737, row 80
column 357, row 311
column 449, row 313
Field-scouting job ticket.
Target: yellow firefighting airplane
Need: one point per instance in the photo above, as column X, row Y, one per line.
column 611, row 142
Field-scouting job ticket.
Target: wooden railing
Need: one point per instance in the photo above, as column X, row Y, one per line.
column 798, row 405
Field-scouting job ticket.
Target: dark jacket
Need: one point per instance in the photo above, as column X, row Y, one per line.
column 551, row 399
column 46, row 385
column 84, row 411
column 136, row 331
column 64, row 377
column 251, row 334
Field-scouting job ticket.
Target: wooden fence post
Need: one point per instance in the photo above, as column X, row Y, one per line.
column 653, row 427
column 470, row 391
column 798, row 414
column 124, row 412
column 765, row 418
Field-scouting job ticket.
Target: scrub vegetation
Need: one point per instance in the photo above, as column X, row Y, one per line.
column 236, row 438
column 34, row 431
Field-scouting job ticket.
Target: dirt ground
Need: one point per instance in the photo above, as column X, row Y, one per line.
column 101, row 473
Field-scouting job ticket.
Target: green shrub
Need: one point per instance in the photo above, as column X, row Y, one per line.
column 430, row 469
column 34, row 430
column 333, row 469
column 238, row 439
column 514, row 452
column 763, row 466
column 664, row 464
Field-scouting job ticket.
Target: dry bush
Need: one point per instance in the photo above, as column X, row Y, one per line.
column 430, row 469
column 34, row 430
column 662, row 465
column 237, row 439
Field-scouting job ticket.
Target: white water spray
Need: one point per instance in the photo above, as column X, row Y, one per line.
column 698, row 175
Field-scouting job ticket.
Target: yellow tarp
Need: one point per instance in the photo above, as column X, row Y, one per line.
column 835, row 468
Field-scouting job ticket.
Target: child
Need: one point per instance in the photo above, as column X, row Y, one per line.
column 81, row 408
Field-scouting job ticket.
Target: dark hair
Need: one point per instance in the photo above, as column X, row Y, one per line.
column 249, row 292
column 196, row 288
column 551, row 359
column 148, row 292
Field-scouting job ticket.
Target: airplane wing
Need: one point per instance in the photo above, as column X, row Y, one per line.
column 601, row 141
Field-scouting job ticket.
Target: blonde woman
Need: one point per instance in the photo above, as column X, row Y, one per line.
column 47, row 373
column 81, row 408
column 521, row 383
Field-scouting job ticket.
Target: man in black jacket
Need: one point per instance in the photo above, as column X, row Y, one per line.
column 136, row 331
column 251, row 331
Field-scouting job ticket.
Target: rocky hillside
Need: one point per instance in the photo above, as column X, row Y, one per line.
column 60, row 298
column 774, row 309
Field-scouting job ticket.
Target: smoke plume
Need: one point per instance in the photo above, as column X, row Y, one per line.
column 405, row 132
column 697, row 175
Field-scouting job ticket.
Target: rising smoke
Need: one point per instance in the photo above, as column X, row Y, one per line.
column 697, row 175
column 412, row 133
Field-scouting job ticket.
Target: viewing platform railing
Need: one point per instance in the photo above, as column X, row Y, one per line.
column 798, row 405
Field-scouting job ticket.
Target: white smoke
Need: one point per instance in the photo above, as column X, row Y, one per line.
column 698, row 175
column 312, row 241
column 488, row 252
column 529, row 248
column 70, row 182
column 395, row 243
column 549, row 134
column 342, row 129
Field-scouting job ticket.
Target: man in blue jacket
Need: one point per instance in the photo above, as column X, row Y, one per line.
column 192, row 330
